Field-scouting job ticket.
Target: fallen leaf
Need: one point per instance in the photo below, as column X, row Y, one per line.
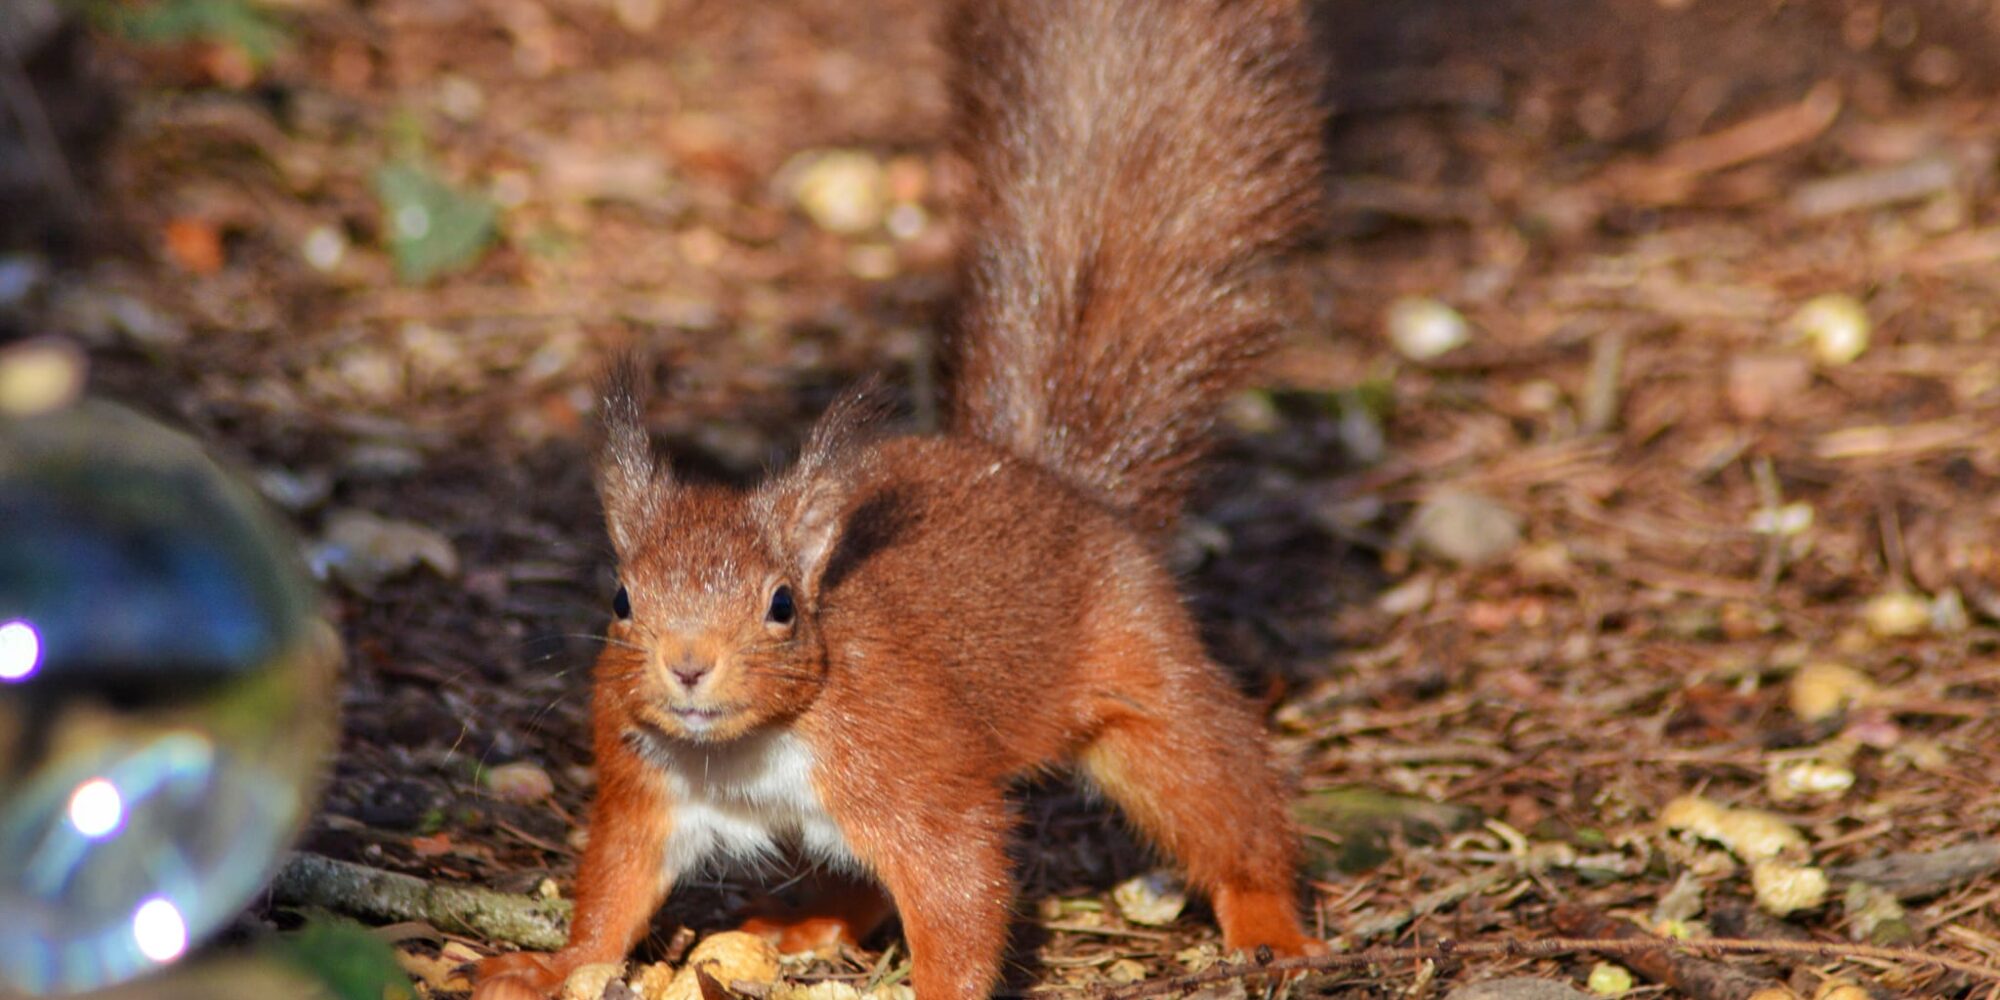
column 1750, row 834
column 587, row 982
column 194, row 245
column 433, row 228
column 1782, row 887
column 1821, row 690
column 1365, row 821
column 432, row 846
column 439, row 972
column 1154, row 899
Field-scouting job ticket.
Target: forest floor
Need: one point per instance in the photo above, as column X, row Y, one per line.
column 1637, row 539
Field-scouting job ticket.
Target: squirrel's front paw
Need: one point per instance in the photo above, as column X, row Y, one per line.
column 522, row 975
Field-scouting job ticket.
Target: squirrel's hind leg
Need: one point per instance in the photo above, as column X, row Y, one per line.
column 831, row 909
column 1186, row 761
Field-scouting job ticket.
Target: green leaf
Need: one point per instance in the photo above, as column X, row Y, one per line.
column 234, row 22
column 433, row 228
column 1352, row 828
column 353, row 963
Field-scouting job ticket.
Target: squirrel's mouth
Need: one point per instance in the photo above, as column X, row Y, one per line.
column 703, row 722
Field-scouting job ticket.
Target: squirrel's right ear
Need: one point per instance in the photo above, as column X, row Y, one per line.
column 631, row 480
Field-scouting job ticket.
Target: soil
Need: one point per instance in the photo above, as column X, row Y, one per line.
column 1626, row 202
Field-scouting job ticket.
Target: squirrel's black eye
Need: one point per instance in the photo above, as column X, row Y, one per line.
column 621, row 605
column 781, row 607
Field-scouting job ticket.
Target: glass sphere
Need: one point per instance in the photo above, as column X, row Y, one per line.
column 166, row 697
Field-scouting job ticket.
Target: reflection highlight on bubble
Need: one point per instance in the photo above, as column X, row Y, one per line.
column 158, row 928
column 96, row 809
column 20, row 651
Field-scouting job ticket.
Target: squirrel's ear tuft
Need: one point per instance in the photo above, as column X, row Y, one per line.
column 631, row 479
column 806, row 504
column 851, row 420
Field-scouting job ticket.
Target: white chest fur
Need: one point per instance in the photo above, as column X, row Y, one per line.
column 743, row 800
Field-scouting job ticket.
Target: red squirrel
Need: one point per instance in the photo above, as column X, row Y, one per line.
column 860, row 656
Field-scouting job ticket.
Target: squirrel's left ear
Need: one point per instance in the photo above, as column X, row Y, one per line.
column 631, row 479
column 804, row 506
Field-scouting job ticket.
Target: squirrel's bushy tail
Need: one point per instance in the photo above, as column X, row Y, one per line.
column 1139, row 167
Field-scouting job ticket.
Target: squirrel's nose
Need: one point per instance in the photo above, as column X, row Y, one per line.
column 689, row 672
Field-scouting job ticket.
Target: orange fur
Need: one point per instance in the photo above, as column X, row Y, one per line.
column 864, row 653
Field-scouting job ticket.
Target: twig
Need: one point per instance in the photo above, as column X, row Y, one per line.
column 312, row 880
column 1915, row 876
column 1669, row 177
column 1448, row 951
column 1866, row 189
column 1607, row 369
column 1699, row 978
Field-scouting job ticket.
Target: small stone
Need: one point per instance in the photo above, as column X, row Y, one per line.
column 1835, row 326
column 1465, row 528
column 1424, row 328
column 1155, row 899
column 520, row 782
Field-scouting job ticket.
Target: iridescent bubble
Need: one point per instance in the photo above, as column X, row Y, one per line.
column 166, row 692
column 96, row 808
column 159, row 931
column 20, row 651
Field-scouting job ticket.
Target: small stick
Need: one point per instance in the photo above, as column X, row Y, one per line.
column 358, row 890
column 1697, row 977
